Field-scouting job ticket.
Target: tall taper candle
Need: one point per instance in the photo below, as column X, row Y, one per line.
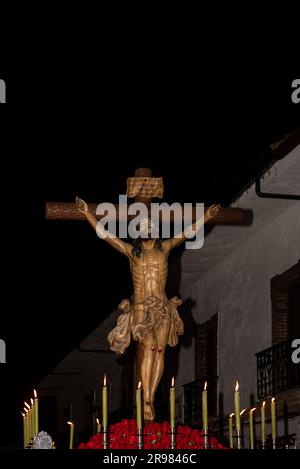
column 72, row 425
column 104, row 404
column 204, row 408
column 237, row 407
column 32, row 412
column 172, row 405
column 27, row 425
column 273, row 419
column 241, row 422
column 230, row 430
column 28, row 414
column 139, row 419
column 24, row 430
column 36, row 411
column 263, row 423
column 251, row 427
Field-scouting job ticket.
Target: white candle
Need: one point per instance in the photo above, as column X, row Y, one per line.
column 237, row 407
column 263, row 423
column 71, row 434
column 204, row 408
column 273, row 419
column 98, row 426
column 32, row 413
column 139, row 417
column 172, row 404
column 231, row 430
column 104, row 404
column 24, row 429
column 36, row 412
column 251, row 428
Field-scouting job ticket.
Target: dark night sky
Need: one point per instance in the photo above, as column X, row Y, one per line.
column 83, row 134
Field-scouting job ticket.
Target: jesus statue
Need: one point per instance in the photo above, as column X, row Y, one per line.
column 150, row 318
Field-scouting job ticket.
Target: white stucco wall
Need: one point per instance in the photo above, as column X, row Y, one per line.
column 238, row 288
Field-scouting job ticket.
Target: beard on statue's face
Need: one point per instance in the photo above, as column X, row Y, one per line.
column 148, row 243
column 145, row 243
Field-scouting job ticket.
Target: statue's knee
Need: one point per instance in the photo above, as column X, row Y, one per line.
column 150, row 344
column 153, row 346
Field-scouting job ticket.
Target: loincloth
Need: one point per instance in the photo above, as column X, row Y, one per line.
column 157, row 314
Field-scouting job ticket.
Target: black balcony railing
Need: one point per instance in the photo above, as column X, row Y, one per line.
column 193, row 400
column 275, row 370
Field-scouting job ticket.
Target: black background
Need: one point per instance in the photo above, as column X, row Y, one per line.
column 78, row 121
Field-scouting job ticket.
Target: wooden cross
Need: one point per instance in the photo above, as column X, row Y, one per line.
column 69, row 210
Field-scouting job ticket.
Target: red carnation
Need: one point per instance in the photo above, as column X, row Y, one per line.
column 123, row 435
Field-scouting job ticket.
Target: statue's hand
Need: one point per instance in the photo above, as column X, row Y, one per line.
column 213, row 211
column 81, row 205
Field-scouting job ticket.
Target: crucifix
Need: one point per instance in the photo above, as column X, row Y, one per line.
column 149, row 317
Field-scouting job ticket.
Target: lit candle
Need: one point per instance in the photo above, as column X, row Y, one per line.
column 241, row 423
column 204, row 408
column 237, row 406
column 172, row 404
column 28, row 413
column 139, row 406
column 263, row 423
column 24, row 430
column 231, row 430
column 104, row 404
column 36, row 412
column 98, row 426
column 273, row 419
column 251, row 427
column 27, row 426
column 71, row 434
column 32, row 413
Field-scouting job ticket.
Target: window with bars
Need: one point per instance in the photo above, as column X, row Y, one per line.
column 276, row 372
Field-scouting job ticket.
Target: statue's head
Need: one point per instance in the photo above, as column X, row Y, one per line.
column 142, row 244
column 148, row 238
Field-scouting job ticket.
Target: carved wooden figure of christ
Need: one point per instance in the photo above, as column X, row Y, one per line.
column 150, row 318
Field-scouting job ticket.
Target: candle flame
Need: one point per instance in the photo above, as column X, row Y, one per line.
column 140, row 385
column 104, row 381
column 237, row 387
column 172, row 384
column 205, row 385
column 253, row 409
column 264, row 404
column 273, row 399
column 35, row 393
column 231, row 415
column 27, row 405
column 31, row 400
column 70, row 423
column 97, row 421
column 242, row 411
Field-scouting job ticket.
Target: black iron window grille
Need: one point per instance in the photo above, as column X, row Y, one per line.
column 276, row 371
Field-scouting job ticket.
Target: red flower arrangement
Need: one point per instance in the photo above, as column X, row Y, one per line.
column 123, row 435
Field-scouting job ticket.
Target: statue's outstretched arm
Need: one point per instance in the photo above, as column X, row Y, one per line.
column 169, row 244
column 117, row 243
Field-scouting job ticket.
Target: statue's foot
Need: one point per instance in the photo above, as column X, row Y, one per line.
column 149, row 413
